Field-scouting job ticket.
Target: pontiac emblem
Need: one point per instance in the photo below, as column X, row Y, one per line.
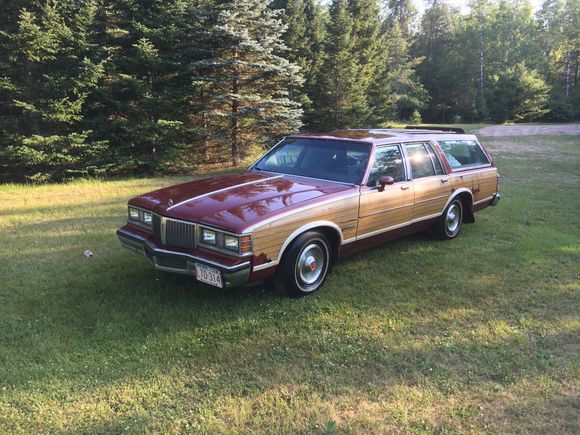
column 170, row 203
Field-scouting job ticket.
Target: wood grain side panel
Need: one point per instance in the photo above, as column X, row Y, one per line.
column 269, row 239
column 430, row 196
column 380, row 210
column 467, row 181
column 487, row 183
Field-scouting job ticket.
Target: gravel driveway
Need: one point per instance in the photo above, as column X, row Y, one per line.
column 529, row 130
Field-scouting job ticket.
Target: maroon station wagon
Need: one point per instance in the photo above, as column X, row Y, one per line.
column 310, row 200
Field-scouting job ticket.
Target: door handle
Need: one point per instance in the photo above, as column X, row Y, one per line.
column 404, row 187
column 444, row 180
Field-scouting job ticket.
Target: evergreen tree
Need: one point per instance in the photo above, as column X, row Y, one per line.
column 52, row 69
column 559, row 38
column 248, row 82
column 142, row 107
column 343, row 99
column 406, row 94
column 305, row 21
column 403, row 14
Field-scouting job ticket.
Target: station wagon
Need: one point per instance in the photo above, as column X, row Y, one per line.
column 310, row 200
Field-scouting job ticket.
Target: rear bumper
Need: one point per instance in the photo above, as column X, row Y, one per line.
column 495, row 199
column 233, row 275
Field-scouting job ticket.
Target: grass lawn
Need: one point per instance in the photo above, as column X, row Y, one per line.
column 478, row 334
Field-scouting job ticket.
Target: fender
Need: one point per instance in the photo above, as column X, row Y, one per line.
column 454, row 195
column 296, row 233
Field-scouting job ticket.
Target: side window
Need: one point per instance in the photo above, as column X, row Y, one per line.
column 388, row 161
column 463, row 153
column 421, row 163
column 435, row 158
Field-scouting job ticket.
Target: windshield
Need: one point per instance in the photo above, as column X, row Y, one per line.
column 326, row 159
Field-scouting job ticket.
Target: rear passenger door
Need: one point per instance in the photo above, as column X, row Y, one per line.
column 430, row 183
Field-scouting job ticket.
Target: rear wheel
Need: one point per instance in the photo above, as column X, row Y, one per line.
column 450, row 222
column 305, row 265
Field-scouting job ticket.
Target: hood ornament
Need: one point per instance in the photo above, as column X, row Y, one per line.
column 170, row 202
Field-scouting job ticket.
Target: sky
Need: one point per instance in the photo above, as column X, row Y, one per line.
column 421, row 5
column 462, row 4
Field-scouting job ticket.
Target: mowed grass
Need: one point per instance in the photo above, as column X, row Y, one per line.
column 480, row 334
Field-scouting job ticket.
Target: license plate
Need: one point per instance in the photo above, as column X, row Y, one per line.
column 209, row 275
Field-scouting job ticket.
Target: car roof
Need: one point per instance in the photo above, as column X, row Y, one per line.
column 381, row 136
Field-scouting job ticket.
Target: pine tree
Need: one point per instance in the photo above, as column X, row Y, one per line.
column 248, row 82
column 304, row 37
column 143, row 107
column 343, row 100
column 52, row 69
column 403, row 14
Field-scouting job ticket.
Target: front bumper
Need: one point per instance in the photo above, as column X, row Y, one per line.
column 233, row 275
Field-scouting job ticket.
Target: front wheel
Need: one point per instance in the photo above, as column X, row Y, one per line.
column 449, row 224
column 305, row 265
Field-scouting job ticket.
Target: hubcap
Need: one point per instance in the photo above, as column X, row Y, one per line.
column 453, row 218
column 310, row 264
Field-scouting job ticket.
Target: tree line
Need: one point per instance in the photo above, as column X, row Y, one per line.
column 93, row 87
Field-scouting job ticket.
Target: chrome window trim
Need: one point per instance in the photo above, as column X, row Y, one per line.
column 466, row 167
column 434, row 155
column 373, row 158
column 252, row 167
column 412, row 177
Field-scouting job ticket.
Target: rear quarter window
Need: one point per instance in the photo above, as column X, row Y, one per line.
column 463, row 153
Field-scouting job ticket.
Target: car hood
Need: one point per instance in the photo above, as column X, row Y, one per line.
column 235, row 202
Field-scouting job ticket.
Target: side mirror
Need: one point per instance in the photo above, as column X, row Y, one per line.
column 385, row 180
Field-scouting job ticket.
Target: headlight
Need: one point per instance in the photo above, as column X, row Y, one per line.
column 208, row 236
column 133, row 214
column 232, row 242
column 147, row 218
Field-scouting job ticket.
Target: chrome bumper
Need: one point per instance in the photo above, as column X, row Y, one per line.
column 179, row 262
column 495, row 199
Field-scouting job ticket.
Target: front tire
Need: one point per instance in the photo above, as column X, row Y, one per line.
column 305, row 265
column 450, row 222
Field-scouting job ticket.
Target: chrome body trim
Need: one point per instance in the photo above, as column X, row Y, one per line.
column 265, row 266
column 152, row 247
column 394, row 227
column 306, row 227
column 267, row 221
column 386, row 210
column 430, row 199
column 484, row 200
column 457, row 192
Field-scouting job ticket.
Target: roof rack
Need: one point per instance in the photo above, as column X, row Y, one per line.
column 436, row 128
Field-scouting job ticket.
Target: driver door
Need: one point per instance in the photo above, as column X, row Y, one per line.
column 380, row 209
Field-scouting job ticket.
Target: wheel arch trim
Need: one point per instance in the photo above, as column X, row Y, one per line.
column 307, row 227
column 455, row 194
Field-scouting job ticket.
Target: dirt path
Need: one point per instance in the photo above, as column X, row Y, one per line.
column 529, row 130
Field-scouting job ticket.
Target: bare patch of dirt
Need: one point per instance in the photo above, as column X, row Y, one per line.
column 530, row 130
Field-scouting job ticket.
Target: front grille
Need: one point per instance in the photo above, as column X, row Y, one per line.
column 173, row 232
column 179, row 234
